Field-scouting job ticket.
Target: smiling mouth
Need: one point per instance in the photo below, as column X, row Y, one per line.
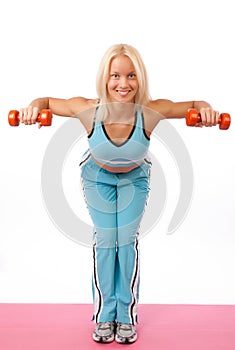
column 123, row 93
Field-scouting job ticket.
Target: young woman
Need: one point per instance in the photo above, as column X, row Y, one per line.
column 115, row 176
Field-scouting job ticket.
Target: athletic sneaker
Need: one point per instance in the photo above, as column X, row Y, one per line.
column 104, row 332
column 125, row 333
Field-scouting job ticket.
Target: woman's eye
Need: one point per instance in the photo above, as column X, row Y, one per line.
column 115, row 76
column 132, row 76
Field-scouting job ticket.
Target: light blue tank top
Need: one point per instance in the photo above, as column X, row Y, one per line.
column 131, row 152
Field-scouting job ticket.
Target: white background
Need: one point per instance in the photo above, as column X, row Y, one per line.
column 53, row 48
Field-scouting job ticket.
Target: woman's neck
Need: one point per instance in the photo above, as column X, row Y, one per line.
column 120, row 112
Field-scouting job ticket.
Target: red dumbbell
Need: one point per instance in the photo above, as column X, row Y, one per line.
column 193, row 117
column 44, row 117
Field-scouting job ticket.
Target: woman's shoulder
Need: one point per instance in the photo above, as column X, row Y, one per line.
column 79, row 104
column 160, row 105
column 154, row 111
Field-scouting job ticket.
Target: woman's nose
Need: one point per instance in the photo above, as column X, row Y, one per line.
column 123, row 82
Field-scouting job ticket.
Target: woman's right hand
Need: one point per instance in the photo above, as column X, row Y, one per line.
column 29, row 115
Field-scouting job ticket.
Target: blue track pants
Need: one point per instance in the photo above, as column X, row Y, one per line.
column 116, row 203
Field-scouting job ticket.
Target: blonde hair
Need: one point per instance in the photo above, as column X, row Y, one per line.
column 142, row 96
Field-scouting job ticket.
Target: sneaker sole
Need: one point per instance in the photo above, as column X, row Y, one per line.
column 123, row 340
column 99, row 339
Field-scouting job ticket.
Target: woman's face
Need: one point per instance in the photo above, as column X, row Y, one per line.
column 122, row 84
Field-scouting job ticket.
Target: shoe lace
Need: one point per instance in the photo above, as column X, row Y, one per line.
column 125, row 326
column 105, row 325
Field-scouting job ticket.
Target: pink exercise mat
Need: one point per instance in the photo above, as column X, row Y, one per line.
column 161, row 327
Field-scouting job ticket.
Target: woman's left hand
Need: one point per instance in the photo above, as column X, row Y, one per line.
column 209, row 117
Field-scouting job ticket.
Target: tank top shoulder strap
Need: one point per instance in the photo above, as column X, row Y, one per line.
column 95, row 121
column 140, row 122
column 139, row 118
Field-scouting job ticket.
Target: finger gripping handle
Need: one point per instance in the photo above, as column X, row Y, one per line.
column 44, row 117
column 193, row 117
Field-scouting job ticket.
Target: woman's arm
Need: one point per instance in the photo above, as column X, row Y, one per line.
column 169, row 109
column 62, row 107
